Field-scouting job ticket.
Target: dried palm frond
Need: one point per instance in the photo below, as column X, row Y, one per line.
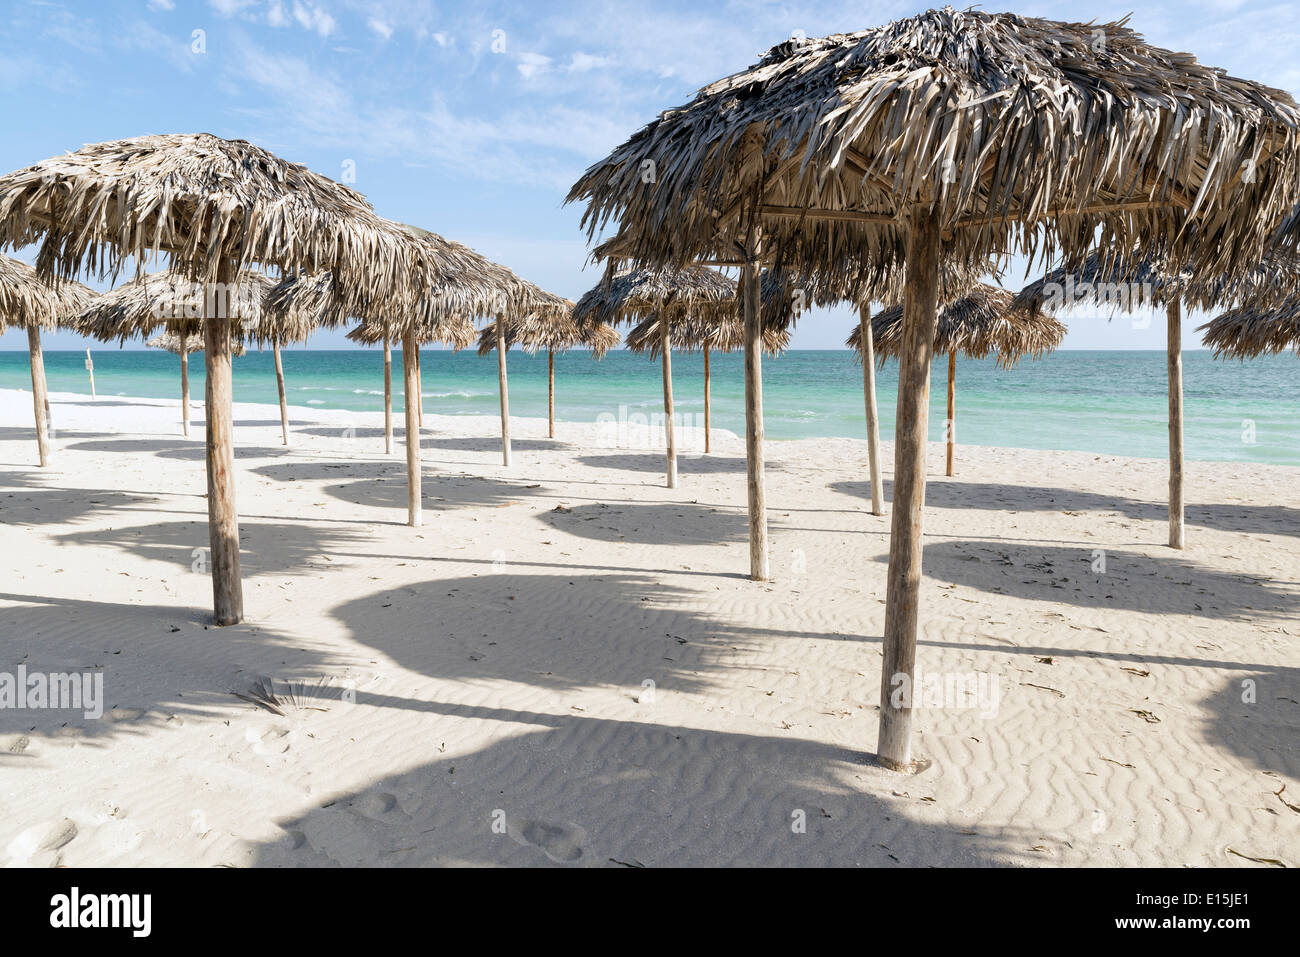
column 171, row 342
column 27, row 300
column 977, row 325
column 164, row 300
column 561, row 334
column 451, row 284
column 694, row 335
column 210, row 206
column 631, row 295
column 1253, row 331
column 453, row 330
column 1021, row 134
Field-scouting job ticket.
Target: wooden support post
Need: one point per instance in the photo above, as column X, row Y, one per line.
column 279, row 384
column 503, row 386
column 708, row 402
column 185, row 384
column 759, row 568
column 90, row 371
column 670, row 434
column 388, row 395
column 223, row 519
column 1177, row 535
column 40, row 396
column 950, row 429
column 411, row 384
column 419, row 388
column 550, row 393
column 902, row 600
column 873, row 413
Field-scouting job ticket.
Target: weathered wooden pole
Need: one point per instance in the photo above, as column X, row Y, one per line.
column 388, row 395
column 873, row 413
column 759, row 569
column 40, row 396
column 951, row 428
column 419, row 388
column 223, row 519
column 279, row 384
column 670, row 434
column 1177, row 536
column 185, row 384
column 90, row 371
column 411, row 383
column 708, row 401
column 550, row 394
column 504, row 389
column 902, row 600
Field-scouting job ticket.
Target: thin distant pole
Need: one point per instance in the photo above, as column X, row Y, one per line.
column 279, row 382
column 40, row 397
column 1174, row 313
column 666, row 347
column 388, row 395
column 550, row 375
column 185, row 384
column 873, row 413
column 708, row 411
column 503, row 386
column 952, row 413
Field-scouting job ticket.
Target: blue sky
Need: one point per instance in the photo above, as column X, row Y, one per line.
column 472, row 119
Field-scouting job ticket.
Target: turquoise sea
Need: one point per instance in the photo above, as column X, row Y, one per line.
column 1104, row 402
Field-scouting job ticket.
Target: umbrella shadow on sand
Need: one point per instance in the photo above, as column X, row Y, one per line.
column 383, row 485
column 31, row 498
column 600, row 791
column 1256, row 716
column 657, row 524
column 492, row 444
column 160, row 664
column 266, row 548
column 188, row 451
column 687, row 463
column 941, row 493
column 557, row 631
column 1107, row 578
column 565, row 789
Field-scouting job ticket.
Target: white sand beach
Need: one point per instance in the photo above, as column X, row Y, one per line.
column 567, row 664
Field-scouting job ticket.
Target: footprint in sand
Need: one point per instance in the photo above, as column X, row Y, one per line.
column 562, row 843
column 271, row 740
column 39, row 844
column 376, row 805
column 125, row 714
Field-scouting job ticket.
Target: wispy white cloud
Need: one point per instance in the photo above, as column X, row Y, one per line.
column 533, row 64
column 314, row 18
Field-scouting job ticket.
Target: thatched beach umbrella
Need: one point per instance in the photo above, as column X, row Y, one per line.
column 693, row 294
column 455, row 331
column 29, row 302
column 182, row 345
column 951, row 135
column 212, row 207
column 532, row 304
column 446, row 282
column 136, row 308
column 1126, row 280
column 1251, row 331
column 695, row 333
column 976, row 325
column 559, row 333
